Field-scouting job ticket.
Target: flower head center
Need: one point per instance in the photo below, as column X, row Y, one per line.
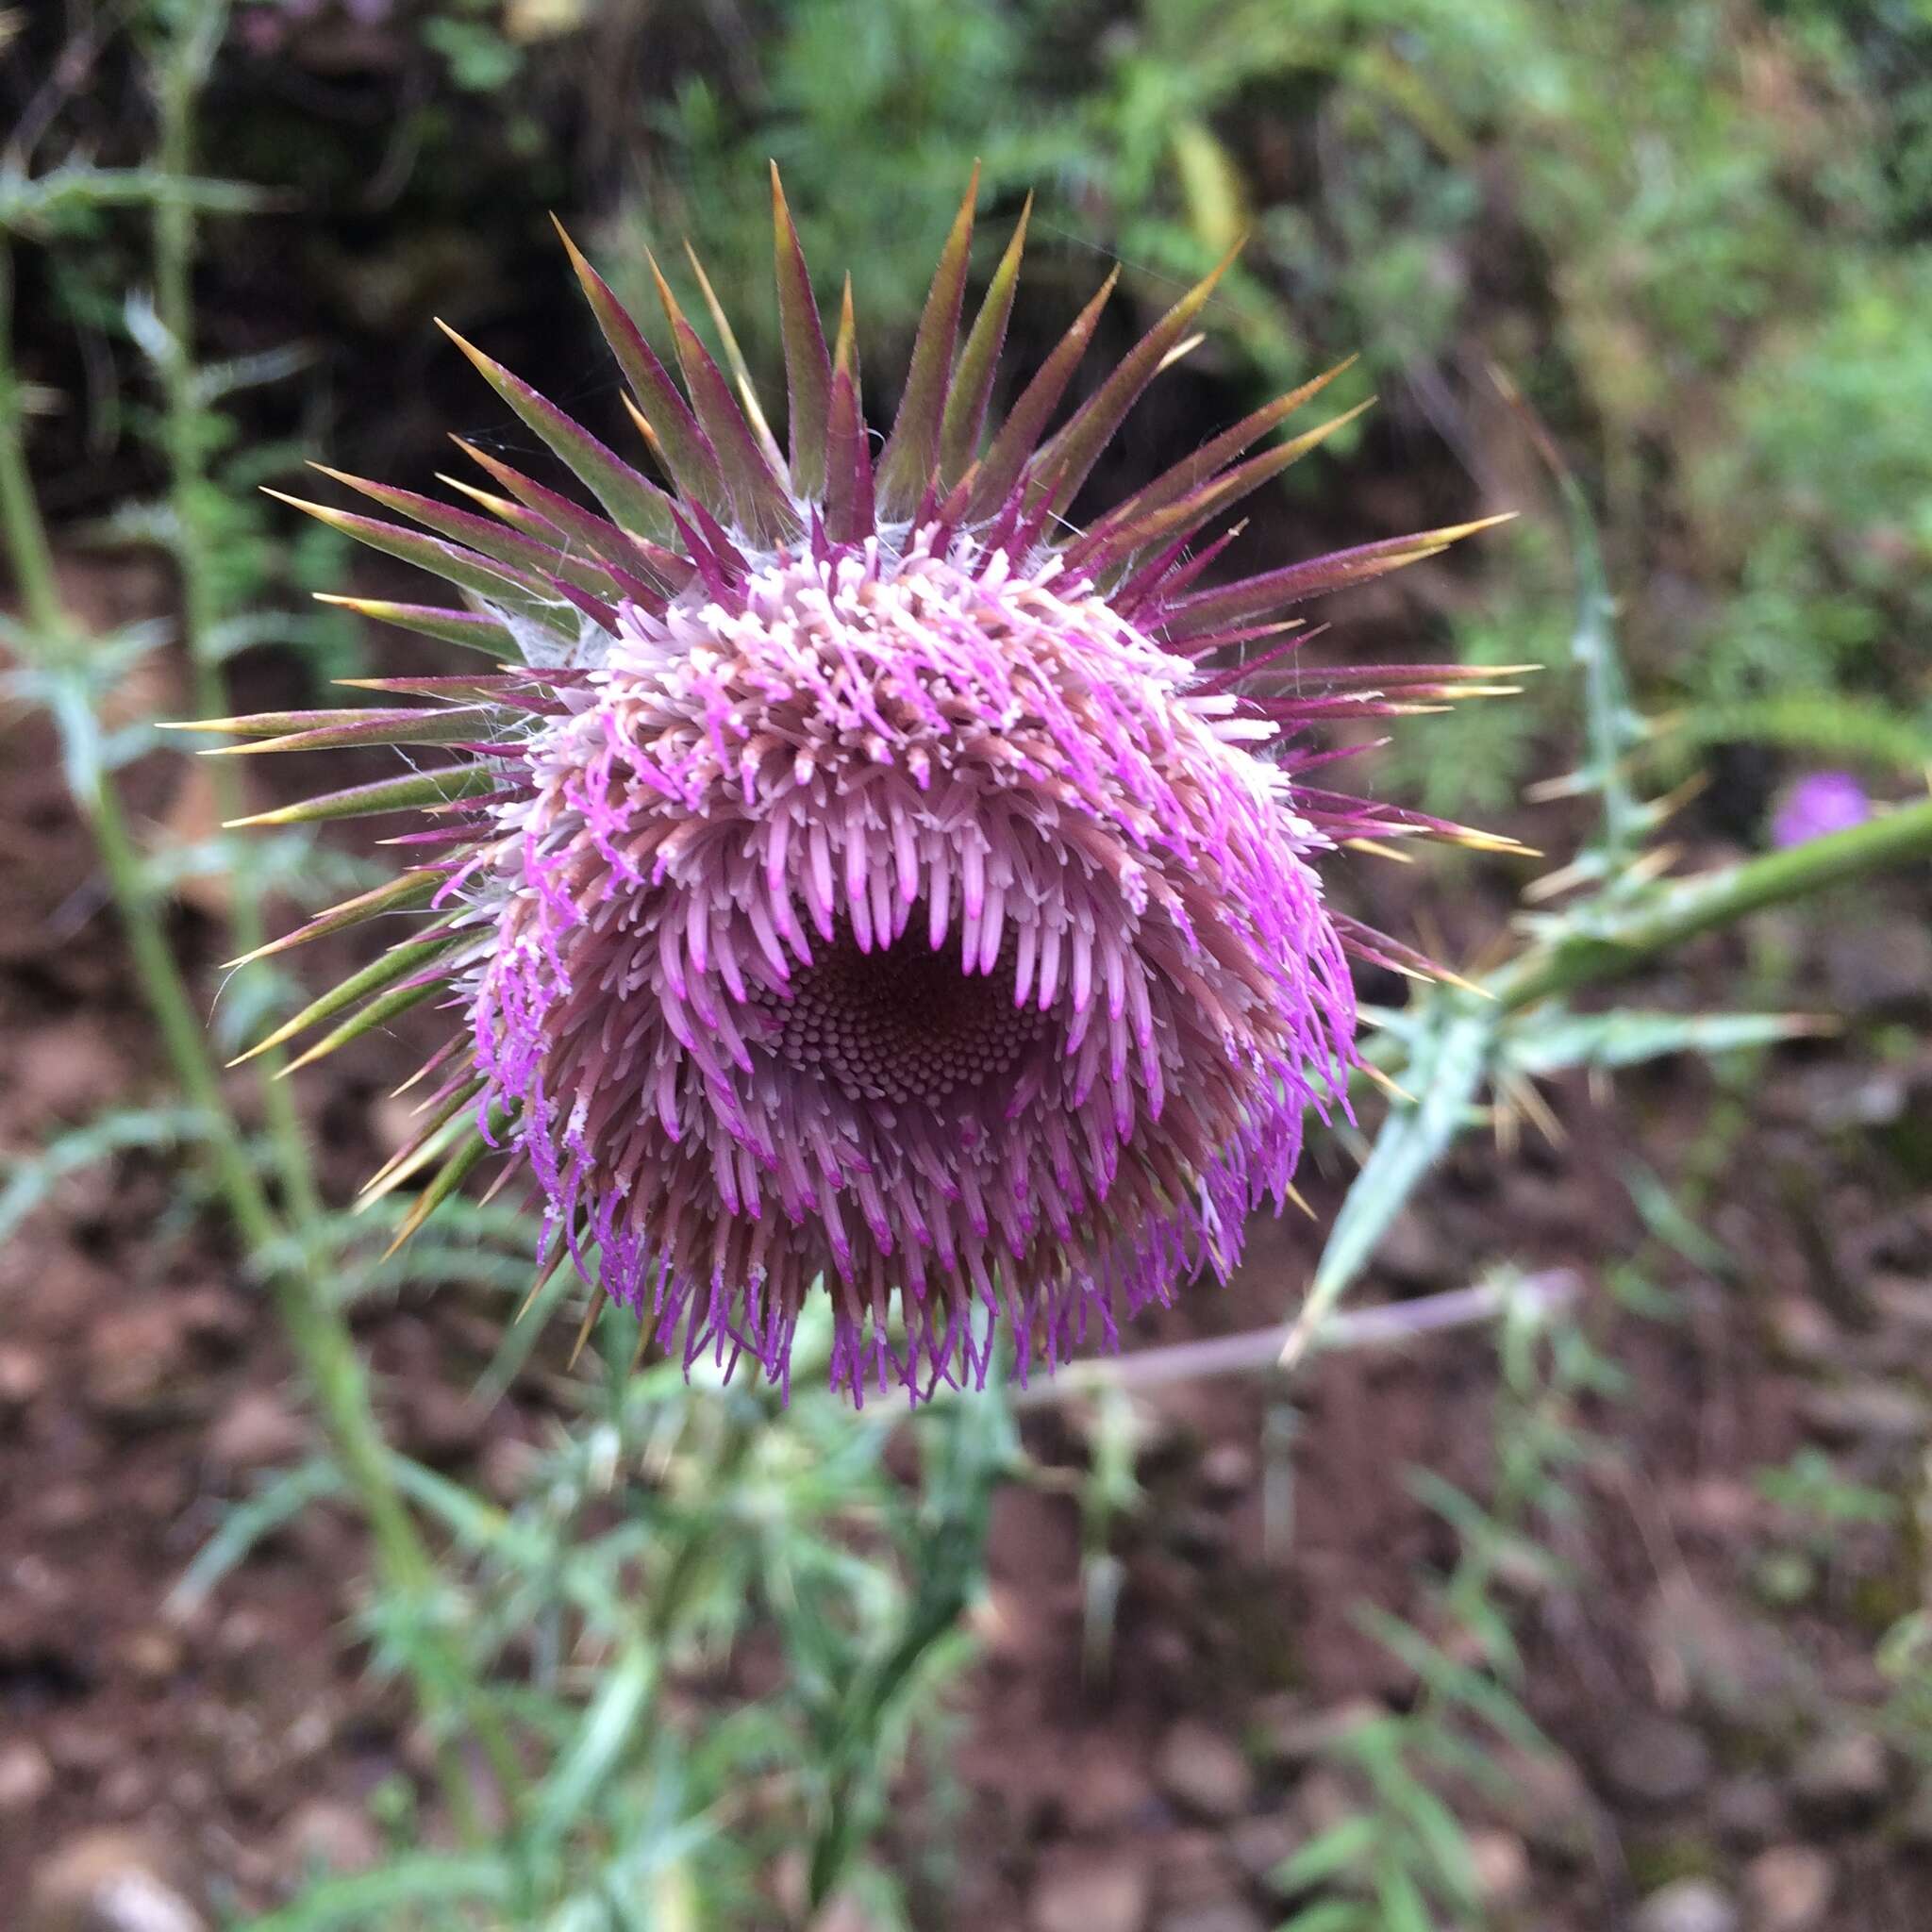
column 903, row 1022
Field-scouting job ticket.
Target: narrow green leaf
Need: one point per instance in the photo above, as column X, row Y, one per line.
column 758, row 503
column 633, row 502
column 467, row 628
column 1331, row 1915
column 371, row 1898
column 807, row 366
column 495, row 584
column 973, row 380
column 1063, row 465
column 25, row 202
column 608, row 1731
column 399, row 963
column 989, row 482
column 1340, row 1849
column 1472, row 1690
column 28, row 1179
column 688, row 456
column 911, row 459
column 1666, row 1220
column 414, row 791
column 1832, row 725
column 279, row 1500
column 1404, row 1908
column 377, row 1013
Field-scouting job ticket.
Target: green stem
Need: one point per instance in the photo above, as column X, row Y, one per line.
column 1622, row 941
column 182, row 71
column 28, row 548
column 1611, row 728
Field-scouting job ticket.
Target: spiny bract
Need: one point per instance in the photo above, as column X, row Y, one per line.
column 856, row 874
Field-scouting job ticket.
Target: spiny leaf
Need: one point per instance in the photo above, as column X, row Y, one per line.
column 406, row 725
column 601, row 580
column 404, row 893
column 409, row 793
column 848, row 461
column 375, row 1014
column 430, row 1139
column 733, row 358
column 1199, row 465
column 989, row 481
column 492, row 583
column 268, row 724
column 979, row 361
column 1447, row 1067
column 505, row 510
column 1271, row 590
column 1209, row 499
column 623, row 549
column 808, row 367
column 1066, row 461
column 468, row 627
column 525, row 690
column 637, row 504
column 912, row 450
column 755, row 495
column 520, row 1338
column 1558, row 1039
column 528, row 556
column 686, row 453
column 399, row 963
column 469, row 1155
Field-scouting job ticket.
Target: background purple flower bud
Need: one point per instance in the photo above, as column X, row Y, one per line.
column 1819, row 803
column 861, row 876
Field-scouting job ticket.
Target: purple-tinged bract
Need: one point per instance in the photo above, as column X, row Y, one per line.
column 857, row 877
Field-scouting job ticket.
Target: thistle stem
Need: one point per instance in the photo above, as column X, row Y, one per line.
column 1619, row 944
column 1384, row 1326
column 181, row 73
column 27, row 549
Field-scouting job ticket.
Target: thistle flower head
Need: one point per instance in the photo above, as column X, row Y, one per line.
column 852, row 875
column 1819, row 803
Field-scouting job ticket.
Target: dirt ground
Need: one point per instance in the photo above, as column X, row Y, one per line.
column 1705, row 1736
